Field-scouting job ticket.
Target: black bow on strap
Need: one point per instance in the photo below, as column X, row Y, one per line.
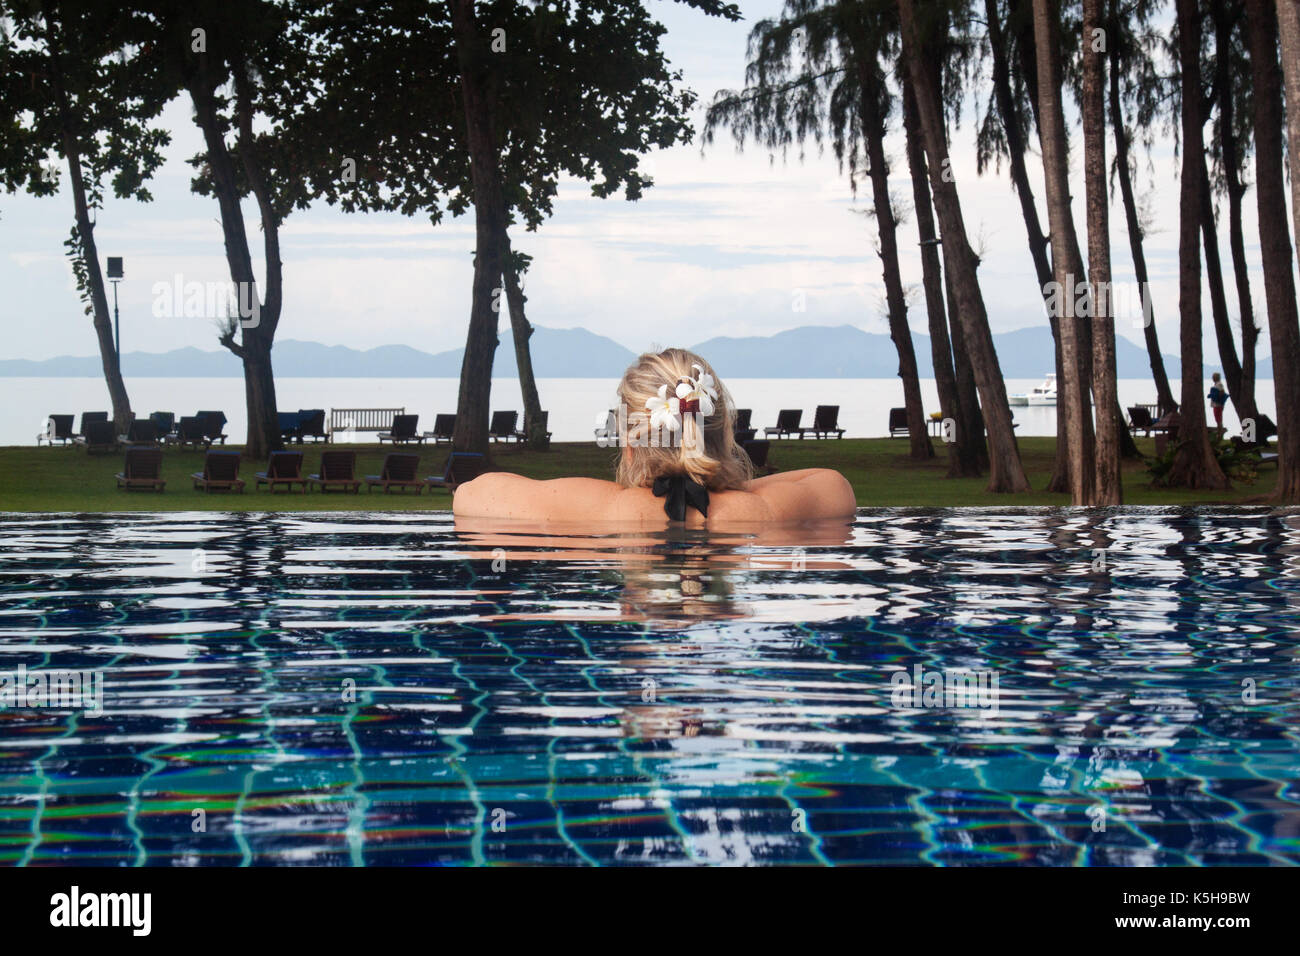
column 678, row 491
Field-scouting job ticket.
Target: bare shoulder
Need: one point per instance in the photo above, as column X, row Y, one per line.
column 504, row 495
column 787, row 496
column 806, row 493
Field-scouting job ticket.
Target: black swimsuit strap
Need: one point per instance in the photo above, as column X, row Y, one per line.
column 678, row 491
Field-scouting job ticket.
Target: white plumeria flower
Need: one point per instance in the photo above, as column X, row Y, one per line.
column 665, row 412
column 704, row 382
column 705, row 390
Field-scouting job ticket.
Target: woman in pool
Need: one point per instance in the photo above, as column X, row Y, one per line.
column 679, row 462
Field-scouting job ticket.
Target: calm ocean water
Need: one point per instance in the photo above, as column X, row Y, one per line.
column 574, row 403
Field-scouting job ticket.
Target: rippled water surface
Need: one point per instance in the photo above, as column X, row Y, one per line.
column 389, row 689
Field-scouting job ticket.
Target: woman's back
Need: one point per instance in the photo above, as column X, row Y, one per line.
column 808, row 494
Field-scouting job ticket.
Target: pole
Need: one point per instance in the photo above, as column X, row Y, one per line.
column 117, row 332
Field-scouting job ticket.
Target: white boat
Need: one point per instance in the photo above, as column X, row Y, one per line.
column 1044, row 394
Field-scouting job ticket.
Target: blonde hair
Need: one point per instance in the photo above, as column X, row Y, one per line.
column 713, row 458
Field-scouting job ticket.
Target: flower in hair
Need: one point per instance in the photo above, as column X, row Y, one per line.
column 706, row 390
column 665, row 412
column 690, row 395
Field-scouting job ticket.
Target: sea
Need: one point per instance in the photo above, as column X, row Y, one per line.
column 576, row 405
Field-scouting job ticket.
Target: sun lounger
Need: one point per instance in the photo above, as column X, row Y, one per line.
column 214, row 424
column 403, row 431
column 1140, row 420
column 741, row 428
column 523, row 435
column 787, row 423
column 757, row 452
column 337, row 472
column 86, row 419
column 165, row 422
column 220, row 471
column 444, row 428
column 190, row 431
column 142, row 432
column 399, row 472
column 283, row 468
column 311, row 424
column 142, row 469
column 1264, row 428
column 58, row 428
column 503, row 425
column 825, row 422
column 462, row 466
column 100, row 438
column 1166, row 430
column 1168, row 423
column 288, row 424
column 898, row 423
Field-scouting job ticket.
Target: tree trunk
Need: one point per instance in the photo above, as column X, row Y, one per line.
column 88, row 254
column 259, row 397
column 971, row 419
column 256, row 332
column 1082, row 337
column 1106, row 484
column 1288, row 25
column 1020, row 23
column 523, row 331
column 1164, row 394
column 1038, row 245
column 1006, row 473
column 259, row 337
column 1228, row 360
column 101, row 318
column 962, row 462
column 1274, row 242
column 1223, row 21
column 1194, row 463
column 473, row 404
column 1072, row 400
column 872, row 113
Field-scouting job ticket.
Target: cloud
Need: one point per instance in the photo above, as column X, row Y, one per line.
column 723, row 244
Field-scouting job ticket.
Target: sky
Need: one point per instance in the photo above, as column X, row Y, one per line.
column 725, row 243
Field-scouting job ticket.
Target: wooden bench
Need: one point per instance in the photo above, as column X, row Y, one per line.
column 344, row 420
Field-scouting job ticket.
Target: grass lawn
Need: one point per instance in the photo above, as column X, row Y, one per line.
column 67, row 479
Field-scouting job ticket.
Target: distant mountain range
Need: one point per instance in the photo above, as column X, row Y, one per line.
column 810, row 352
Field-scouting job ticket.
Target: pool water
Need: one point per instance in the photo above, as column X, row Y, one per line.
column 928, row 687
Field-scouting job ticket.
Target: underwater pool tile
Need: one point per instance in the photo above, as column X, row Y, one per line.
column 932, row 688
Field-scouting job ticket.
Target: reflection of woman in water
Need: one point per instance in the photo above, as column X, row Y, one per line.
column 666, row 582
column 677, row 585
